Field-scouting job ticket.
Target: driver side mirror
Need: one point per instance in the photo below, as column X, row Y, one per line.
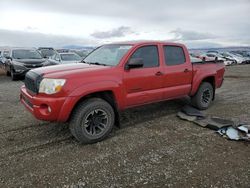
column 134, row 63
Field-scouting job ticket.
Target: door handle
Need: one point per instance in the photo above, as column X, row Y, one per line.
column 186, row 71
column 158, row 73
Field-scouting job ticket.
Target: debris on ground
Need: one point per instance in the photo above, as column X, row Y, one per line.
column 232, row 129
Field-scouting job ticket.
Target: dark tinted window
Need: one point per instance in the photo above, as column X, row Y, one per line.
column 26, row 54
column 174, row 55
column 149, row 54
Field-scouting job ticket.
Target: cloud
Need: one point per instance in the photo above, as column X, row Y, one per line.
column 224, row 22
column 185, row 35
column 32, row 39
column 202, row 44
column 117, row 32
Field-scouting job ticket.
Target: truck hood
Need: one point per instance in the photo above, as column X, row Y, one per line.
column 68, row 62
column 30, row 61
column 68, row 69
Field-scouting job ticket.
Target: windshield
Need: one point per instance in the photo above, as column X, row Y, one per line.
column 26, row 54
column 82, row 53
column 47, row 52
column 70, row 57
column 108, row 54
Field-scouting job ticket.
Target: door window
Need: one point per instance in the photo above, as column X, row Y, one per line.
column 149, row 55
column 174, row 55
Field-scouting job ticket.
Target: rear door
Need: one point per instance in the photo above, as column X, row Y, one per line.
column 177, row 79
column 143, row 85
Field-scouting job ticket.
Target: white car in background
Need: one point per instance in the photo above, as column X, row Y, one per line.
column 65, row 58
column 246, row 58
column 220, row 58
column 239, row 59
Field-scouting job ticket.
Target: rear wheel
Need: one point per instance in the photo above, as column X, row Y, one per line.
column 204, row 96
column 92, row 120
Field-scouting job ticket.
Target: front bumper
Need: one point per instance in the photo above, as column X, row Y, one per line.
column 20, row 73
column 46, row 108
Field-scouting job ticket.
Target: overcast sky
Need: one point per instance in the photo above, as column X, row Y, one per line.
column 197, row 23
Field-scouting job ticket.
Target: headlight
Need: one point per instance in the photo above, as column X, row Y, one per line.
column 17, row 63
column 51, row 86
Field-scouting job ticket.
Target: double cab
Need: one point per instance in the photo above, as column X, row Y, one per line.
column 115, row 77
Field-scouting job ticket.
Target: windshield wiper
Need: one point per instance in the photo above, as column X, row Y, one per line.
column 93, row 63
column 82, row 61
column 97, row 63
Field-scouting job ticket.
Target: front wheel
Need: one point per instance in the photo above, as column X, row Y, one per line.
column 7, row 73
column 92, row 120
column 13, row 76
column 204, row 96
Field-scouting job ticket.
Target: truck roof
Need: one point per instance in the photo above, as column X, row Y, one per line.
column 142, row 42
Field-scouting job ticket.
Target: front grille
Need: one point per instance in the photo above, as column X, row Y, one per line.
column 31, row 66
column 32, row 81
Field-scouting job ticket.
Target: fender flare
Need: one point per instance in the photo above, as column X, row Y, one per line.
column 196, row 86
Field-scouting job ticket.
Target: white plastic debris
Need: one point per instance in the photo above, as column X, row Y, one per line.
column 232, row 133
column 243, row 128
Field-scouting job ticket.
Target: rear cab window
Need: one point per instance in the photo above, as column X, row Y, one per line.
column 174, row 55
column 149, row 54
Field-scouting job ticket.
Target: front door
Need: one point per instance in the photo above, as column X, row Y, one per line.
column 143, row 85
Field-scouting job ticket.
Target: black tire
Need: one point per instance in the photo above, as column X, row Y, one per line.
column 8, row 73
column 92, row 121
column 13, row 76
column 204, row 96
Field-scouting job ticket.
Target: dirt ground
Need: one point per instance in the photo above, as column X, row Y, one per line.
column 153, row 148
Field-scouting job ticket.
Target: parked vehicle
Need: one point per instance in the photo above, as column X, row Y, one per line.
column 62, row 50
column 246, row 59
column 213, row 51
column 1, row 61
column 82, row 53
column 220, row 57
column 243, row 53
column 195, row 59
column 21, row 60
column 46, row 52
column 3, row 54
column 237, row 58
column 65, row 58
column 115, row 77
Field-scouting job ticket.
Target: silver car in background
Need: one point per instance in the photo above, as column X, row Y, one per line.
column 65, row 58
column 238, row 58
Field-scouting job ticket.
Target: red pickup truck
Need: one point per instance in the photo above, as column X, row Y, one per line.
column 115, row 77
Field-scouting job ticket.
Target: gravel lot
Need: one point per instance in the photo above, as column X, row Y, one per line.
column 153, row 148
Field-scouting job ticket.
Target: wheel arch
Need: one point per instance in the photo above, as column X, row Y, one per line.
column 107, row 95
column 209, row 79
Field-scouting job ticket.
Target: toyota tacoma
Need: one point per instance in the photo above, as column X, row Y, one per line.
column 90, row 95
